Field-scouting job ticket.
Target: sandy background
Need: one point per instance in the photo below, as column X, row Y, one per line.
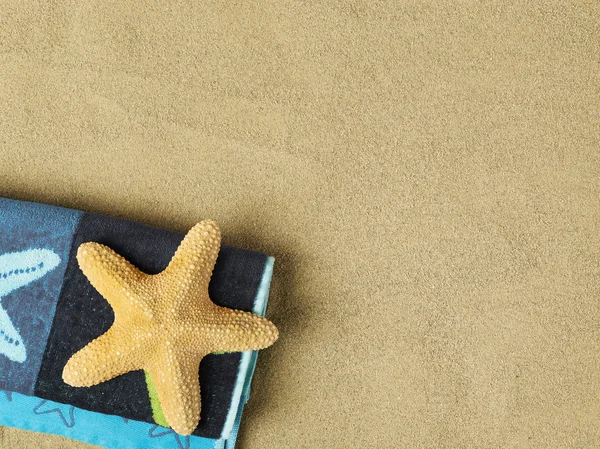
column 427, row 175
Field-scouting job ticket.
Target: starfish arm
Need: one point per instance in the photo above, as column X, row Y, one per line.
column 106, row 357
column 175, row 376
column 195, row 258
column 244, row 331
column 115, row 278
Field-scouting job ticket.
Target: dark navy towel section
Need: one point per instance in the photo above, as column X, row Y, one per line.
column 82, row 315
column 35, row 241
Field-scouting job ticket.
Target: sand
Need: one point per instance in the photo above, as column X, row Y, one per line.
column 427, row 175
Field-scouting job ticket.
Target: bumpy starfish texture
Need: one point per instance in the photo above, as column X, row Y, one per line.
column 164, row 324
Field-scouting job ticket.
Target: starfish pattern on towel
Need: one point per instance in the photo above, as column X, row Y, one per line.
column 18, row 270
column 65, row 412
column 157, row 431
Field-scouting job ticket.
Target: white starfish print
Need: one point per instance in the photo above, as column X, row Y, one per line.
column 17, row 270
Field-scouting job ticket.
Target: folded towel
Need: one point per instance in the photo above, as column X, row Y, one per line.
column 49, row 311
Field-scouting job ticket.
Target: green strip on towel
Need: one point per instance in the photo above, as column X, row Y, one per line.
column 157, row 413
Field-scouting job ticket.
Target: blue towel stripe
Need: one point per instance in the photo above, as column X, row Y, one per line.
column 113, row 432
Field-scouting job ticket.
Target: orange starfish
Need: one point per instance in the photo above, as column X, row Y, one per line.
column 164, row 324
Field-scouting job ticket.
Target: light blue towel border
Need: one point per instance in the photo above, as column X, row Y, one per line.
column 244, row 379
column 114, row 432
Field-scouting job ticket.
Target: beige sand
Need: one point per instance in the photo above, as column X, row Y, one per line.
column 427, row 175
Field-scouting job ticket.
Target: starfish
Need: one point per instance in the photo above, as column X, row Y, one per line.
column 156, row 432
column 164, row 323
column 64, row 411
column 18, row 270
